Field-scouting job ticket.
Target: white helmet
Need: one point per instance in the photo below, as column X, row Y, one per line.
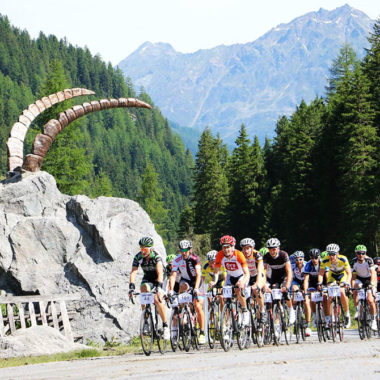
column 211, row 255
column 247, row 241
column 273, row 243
column 184, row 244
column 333, row 248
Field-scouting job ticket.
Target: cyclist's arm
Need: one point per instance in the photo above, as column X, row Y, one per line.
column 348, row 272
column 172, row 279
column 289, row 274
column 132, row 277
column 198, row 277
column 373, row 277
column 320, row 275
column 216, row 275
column 160, row 272
column 260, row 271
column 353, row 278
column 306, row 282
column 246, row 275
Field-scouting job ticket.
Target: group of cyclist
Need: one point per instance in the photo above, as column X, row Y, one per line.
column 262, row 270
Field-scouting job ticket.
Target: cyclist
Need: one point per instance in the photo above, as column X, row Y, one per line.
column 256, row 271
column 298, row 283
column 364, row 274
column 311, row 282
column 208, row 273
column 189, row 265
column 151, row 264
column 279, row 263
column 237, row 270
column 168, row 272
column 339, row 271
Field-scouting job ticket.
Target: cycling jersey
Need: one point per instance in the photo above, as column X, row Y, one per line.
column 168, row 272
column 277, row 266
column 234, row 265
column 362, row 270
column 148, row 265
column 298, row 275
column 187, row 267
column 337, row 271
column 209, row 274
column 312, row 271
column 252, row 261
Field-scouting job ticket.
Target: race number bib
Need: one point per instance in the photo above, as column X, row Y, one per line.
column 298, row 296
column 316, row 297
column 185, row 297
column 361, row 294
column 267, row 298
column 227, row 292
column 146, row 298
column 174, row 302
column 276, row 294
column 334, row 291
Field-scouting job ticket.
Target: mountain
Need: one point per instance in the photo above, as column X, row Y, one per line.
column 252, row 83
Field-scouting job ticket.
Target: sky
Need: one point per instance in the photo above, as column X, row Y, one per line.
column 116, row 28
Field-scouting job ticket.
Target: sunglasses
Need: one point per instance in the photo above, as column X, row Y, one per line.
column 184, row 249
column 360, row 253
column 299, row 259
column 332, row 254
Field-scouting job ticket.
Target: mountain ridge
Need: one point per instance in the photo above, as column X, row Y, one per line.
column 251, row 83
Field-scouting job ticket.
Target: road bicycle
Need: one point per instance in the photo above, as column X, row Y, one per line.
column 299, row 308
column 174, row 324
column 317, row 297
column 213, row 318
column 364, row 315
column 151, row 328
column 337, row 313
column 231, row 321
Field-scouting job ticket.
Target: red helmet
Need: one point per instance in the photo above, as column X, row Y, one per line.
column 227, row 239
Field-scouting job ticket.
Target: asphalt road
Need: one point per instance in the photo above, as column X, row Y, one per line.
column 350, row 359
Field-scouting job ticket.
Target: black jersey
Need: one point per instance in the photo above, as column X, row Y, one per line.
column 148, row 265
column 277, row 265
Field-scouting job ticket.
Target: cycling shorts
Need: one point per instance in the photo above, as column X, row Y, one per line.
column 336, row 277
column 230, row 280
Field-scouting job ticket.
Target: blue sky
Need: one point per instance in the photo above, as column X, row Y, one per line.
column 115, row 28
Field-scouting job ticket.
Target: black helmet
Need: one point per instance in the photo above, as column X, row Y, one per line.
column 314, row 253
column 146, row 241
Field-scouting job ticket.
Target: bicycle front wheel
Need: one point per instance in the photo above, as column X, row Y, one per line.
column 320, row 323
column 175, row 330
column 368, row 321
column 226, row 328
column 242, row 332
column 212, row 326
column 277, row 325
column 146, row 332
column 340, row 322
column 186, row 329
column 361, row 321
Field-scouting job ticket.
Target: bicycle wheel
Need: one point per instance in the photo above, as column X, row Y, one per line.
column 161, row 342
column 175, row 330
column 334, row 321
column 194, row 329
column 340, row 326
column 212, row 326
column 268, row 329
column 361, row 321
column 368, row 320
column 378, row 317
column 186, row 329
column 320, row 323
column 277, row 325
column 297, row 325
column 286, row 329
column 146, row 332
column 226, row 328
column 302, row 321
column 241, row 330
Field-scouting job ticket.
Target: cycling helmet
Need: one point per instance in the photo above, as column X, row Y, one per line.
column 247, row 241
column 211, row 255
column 376, row 260
column 263, row 250
column 314, row 253
column 360, row 248
column 323, row 255
column 333, row 248
column 170, row 258
column 273, row 243
column 298, row 254
column 146, row 241
column 227, row 239
column 185, row 244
